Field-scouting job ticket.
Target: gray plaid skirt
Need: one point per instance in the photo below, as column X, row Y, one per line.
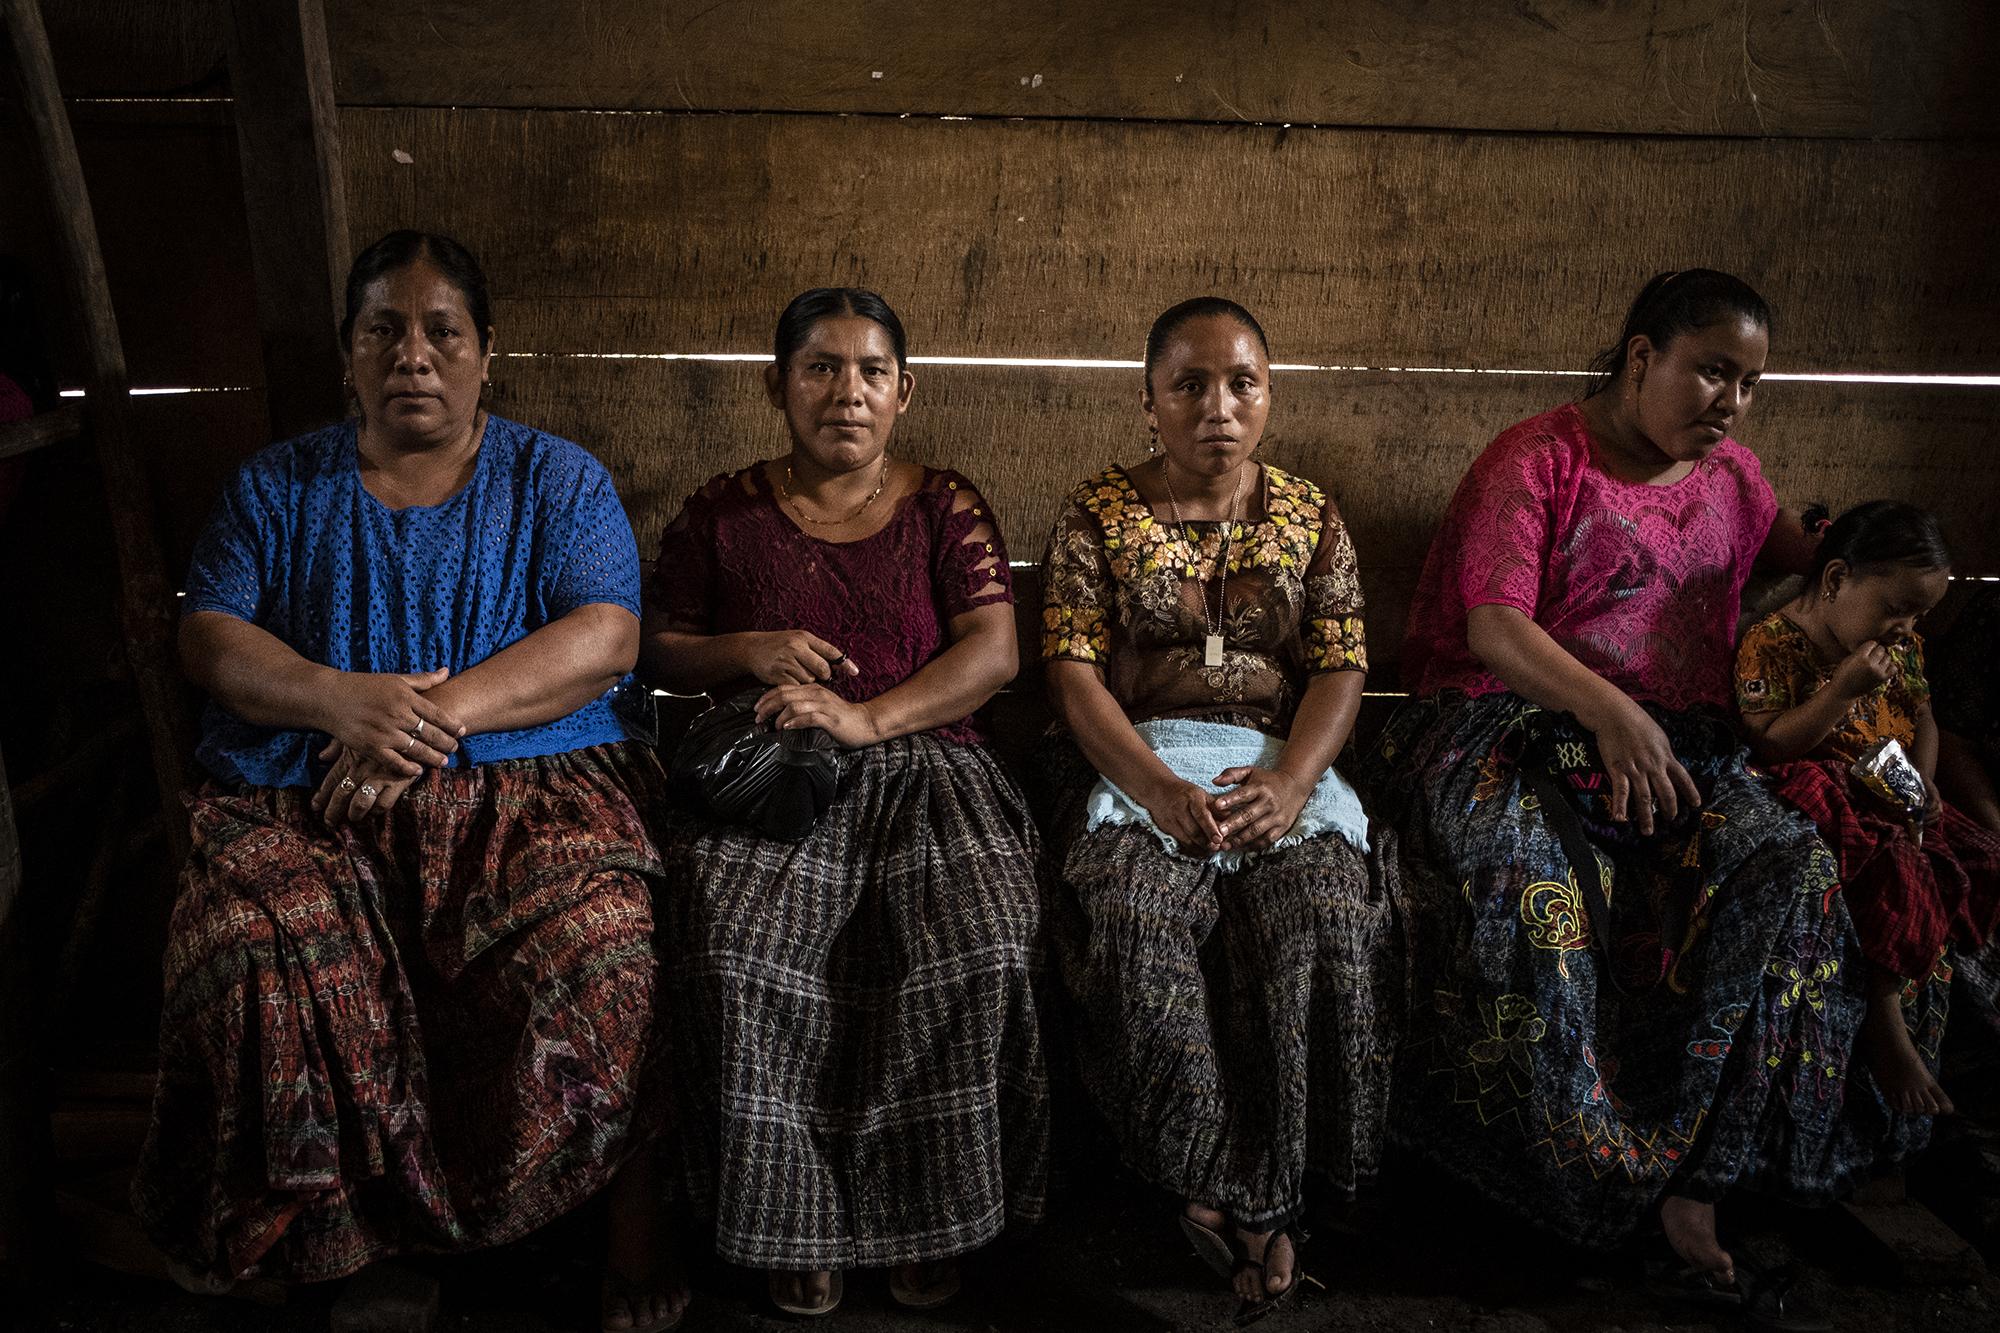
column 856, row 1048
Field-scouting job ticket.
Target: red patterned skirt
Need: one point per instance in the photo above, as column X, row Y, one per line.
column 433, row 1031
column 1908, row 901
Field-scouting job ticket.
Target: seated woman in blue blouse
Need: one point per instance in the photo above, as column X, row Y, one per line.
column 409, row 979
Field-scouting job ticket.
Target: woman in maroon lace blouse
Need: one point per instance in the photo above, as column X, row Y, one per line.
column 861, row 1078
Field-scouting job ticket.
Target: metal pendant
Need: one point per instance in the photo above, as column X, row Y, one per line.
column 1212, row 656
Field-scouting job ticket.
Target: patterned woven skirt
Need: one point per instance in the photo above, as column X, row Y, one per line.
column 429, row 1031
column 1909, row 900
column 857, row 1058
column 1529, row 1074
column 1235, row 1030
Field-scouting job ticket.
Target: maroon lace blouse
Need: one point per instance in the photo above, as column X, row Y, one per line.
column 733, row 561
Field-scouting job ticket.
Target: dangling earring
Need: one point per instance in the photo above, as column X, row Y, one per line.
column 1153, row 440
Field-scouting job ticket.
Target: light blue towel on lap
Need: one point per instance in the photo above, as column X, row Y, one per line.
column 1196, row 751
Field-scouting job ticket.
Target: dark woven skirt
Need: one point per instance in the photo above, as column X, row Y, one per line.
column 1235, row 1030
column 1909, row 900
column 858, row 1063
column 427, row 1031
column 1533, row 1077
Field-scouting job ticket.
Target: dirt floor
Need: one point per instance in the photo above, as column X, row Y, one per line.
column 1418, row 1257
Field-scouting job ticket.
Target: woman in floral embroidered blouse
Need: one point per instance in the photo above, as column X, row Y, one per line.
column 1214, row 919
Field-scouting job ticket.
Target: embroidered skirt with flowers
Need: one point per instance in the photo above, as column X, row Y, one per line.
column 857, row 1048
column 432, row 1030
column 1236, row 1030
column 1909, row 899
column 1581, row 1098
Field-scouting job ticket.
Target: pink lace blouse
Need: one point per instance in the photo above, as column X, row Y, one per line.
column 1642, row 584
column 733, row 561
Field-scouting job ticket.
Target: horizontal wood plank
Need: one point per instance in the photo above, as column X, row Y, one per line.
column 1391, row 448
column 137, row 48
column 1844, row 68
column 644, row 233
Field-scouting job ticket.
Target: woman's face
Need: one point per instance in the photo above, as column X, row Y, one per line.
column 415, row 357
column 841, row 392
column 1209, row 395
column 1882, row 605
column 1690, row 394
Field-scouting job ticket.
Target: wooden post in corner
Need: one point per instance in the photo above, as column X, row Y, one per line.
column 147, row 606
column 288, row 138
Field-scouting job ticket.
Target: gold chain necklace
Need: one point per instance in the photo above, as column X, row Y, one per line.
column 1212, row 649
column 786, row 490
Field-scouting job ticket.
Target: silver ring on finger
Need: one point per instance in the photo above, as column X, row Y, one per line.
column 420, row 728
column 408, row 745
column 347, row 784
column 367, row 790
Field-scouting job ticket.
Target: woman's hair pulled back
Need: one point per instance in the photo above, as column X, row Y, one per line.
column 810, row 307
column 1681, row 301
column 400, row 249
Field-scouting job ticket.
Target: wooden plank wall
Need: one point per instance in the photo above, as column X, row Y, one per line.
column 1455, row 185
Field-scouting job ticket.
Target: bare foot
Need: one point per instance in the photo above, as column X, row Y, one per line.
column 1206, row 1216
column 1690, row 1228
column 809, row 1290
column 644, row 1287
column 1892, row 1058
column 925, row 1285
column 1273, row 1249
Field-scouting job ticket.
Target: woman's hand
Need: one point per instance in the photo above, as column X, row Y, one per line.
column 851, row 724
column 356, row 787
column 1861, row 670
column 1644, row 772
column 1184, row 813
column 1933, row 804
column 794, row 657
column 386, row 719
column 1260, row 807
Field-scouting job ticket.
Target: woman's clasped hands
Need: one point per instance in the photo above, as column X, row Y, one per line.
column 1259, row 807
column 387, row 731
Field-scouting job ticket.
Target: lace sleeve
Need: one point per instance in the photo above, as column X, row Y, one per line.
column 230, row 572
column 683, row 584
column 970, row 569
column 1077, row 590
column 1503, row 524
column 600, row 562
column 1333, row 632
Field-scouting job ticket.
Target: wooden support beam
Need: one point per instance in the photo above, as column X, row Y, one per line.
column 39, row 431
column 147, row 609
column 287, row 134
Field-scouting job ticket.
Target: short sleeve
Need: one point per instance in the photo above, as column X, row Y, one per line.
column 1502, row 520
column 970, row 567
column 232, row 569
column 682, row 588
column 599, row 562
column 1077, row 590
column 1767, row 671
column 1333, row 633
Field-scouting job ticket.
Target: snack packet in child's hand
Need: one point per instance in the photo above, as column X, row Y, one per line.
column 1886, row 771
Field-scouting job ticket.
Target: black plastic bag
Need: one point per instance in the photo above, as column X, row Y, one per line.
column 747, row 772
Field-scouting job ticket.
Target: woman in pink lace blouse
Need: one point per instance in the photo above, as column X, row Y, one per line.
column 860, row 1070
column 1633, row 968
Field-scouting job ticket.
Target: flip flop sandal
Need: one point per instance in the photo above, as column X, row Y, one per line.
column 1693, row 1286
column 1249, row 1312
column 836, row 1288
column 928, row 1297
column 617, row 1286
column 1210, row 1246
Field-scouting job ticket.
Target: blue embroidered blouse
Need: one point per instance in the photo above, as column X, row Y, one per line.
column 297, row 546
